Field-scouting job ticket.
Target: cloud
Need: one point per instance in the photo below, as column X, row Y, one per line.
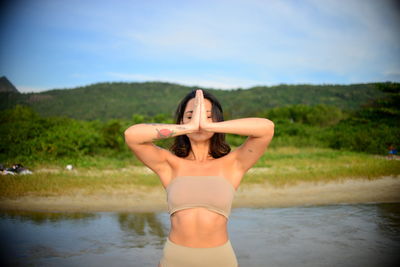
column 325, row 36
column 30, row 89
column 391, row 75
column 223, row 43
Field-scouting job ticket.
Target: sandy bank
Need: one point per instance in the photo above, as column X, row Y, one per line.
column 349, row 191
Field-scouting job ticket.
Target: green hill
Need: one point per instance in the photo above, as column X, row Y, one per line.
column 121, row 100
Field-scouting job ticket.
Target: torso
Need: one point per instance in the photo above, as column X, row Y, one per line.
column 200, row 227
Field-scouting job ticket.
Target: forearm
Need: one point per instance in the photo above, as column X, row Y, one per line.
column 255, row 127
column 148, row 132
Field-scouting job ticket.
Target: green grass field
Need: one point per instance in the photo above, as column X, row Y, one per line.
column 278, row 166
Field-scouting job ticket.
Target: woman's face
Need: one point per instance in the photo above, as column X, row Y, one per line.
column 187, row 115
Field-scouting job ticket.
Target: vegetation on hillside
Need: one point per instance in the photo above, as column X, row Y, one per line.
column 30, row 138
column 105, row 101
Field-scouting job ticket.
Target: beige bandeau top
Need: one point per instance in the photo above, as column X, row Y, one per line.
column 212, row 192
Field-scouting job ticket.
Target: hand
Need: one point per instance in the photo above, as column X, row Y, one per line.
column 195, row 120
column 204, row 123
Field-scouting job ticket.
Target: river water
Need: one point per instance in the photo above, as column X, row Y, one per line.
column 338, row 235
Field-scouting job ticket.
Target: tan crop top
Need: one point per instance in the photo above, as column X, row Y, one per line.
column 212, row 192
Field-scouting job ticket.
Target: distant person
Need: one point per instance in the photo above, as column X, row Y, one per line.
column 392, row 151
column 18, row 169
column 201, row 175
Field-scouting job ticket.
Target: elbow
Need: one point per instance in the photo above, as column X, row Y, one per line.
column 270, row 128
column 265, row 128
column 128, row 133
column 131, row 128
column 268, row 123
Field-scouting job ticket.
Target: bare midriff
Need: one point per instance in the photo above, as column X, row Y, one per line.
column 199, row 228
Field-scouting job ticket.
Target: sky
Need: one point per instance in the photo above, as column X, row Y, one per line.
column 223, row 44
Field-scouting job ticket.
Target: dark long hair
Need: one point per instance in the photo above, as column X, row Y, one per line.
column 218, row 147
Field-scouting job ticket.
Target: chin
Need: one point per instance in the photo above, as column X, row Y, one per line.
column 200, row 137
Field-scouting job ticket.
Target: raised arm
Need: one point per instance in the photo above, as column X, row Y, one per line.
column 252, row 127
column 149, row 132
column 139, row 138
column 260, row 132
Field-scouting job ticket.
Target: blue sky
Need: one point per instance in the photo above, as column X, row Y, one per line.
column 49, row 44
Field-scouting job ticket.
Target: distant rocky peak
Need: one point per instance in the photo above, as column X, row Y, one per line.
column 6, row 86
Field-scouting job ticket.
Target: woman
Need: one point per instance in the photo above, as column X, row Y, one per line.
column 200, row 176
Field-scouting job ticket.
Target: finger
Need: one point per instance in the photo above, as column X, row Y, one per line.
column 203, row 106
column 197, row 98
column 201, row 92
column 200, row 96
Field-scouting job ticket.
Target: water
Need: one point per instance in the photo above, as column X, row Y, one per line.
column 338, row 235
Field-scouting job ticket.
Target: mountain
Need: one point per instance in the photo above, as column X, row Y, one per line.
column 6, row 86
column 121, row 100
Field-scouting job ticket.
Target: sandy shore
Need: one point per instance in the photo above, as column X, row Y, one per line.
column 349, row 191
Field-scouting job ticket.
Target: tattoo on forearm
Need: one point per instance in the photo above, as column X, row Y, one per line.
column 155, row 124
column 180, row 127
column 250, row 150
column 164, row 133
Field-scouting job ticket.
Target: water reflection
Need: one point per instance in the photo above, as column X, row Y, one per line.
column 388, row 220
column 337, row 235
column 141, row 229
column 40, row 218
column 81, row 239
